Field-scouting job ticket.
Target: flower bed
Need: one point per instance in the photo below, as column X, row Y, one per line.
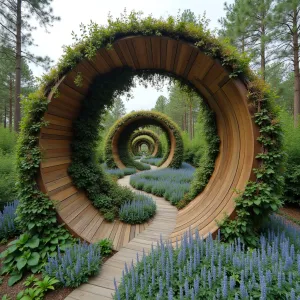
column 168, row 183
column 210, row 269
column 138, row 211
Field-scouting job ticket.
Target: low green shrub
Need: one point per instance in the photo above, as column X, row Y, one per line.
column 7, row 141
column 7, row 166
column 22, row 255
column 138, row 211
column 36, row 289
column 109, row 216
column 106, row 247
column 291, row 144
column 76, row 265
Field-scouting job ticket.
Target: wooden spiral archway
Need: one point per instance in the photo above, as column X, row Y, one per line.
column 226, row 96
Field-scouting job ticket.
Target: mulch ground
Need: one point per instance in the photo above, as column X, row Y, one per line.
column 292, row 211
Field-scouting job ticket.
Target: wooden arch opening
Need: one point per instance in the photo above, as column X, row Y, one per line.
column 226, row 96
column 119, row 139
column 144, row 139
column 157, row 152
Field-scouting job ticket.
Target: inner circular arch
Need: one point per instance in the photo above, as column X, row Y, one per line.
column 139, row 141
column 146, row 132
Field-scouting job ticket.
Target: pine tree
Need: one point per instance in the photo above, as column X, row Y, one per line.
column 287, row 28
column 249, row 23
column 16, row 34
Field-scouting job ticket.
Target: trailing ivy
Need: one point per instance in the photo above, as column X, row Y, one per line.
column 260, row 196
column 36, row 214
column 129, row 124
column 149, row 133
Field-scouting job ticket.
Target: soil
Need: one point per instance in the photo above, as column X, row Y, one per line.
column 292, row 211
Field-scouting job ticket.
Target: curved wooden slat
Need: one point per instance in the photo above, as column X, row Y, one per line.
column 225, row 96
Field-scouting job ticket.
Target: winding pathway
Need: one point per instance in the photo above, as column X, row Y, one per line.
column 102, row 286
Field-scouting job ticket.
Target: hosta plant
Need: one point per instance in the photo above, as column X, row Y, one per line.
column 22, row 255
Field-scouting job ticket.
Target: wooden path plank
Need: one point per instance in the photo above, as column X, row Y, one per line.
column 102, row 286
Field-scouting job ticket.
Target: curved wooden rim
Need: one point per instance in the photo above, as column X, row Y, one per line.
column 226, row 96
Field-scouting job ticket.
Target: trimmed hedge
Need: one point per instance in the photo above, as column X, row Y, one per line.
column 150, row 133
column 129, row 124
column 260, row 196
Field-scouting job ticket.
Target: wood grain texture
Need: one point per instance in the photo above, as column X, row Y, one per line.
column 225, row 96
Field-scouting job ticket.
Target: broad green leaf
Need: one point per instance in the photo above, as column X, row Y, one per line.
column 256, row 210
column 33, row 242
column 14, row 278
column 21, row 263
column 54, row 241
column 35, row 269
column 34, row 259
column 30, row 226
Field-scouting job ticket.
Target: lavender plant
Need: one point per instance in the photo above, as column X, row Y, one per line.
column 169, row 183
column 138, row 211
column 119, row 173
column 76, row 265
column 155, row 161
column 210, row 269
column 8, row 227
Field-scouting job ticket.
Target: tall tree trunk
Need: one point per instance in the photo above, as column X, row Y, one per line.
column 243, row 44
column 5, row 114
column 193, row 127
column 185, row 119
column 18, row 68
column 191, row 121
column 263, row 50
column 10, row 101
column 296, row 71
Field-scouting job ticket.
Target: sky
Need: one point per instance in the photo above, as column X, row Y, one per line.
column 75, row 12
